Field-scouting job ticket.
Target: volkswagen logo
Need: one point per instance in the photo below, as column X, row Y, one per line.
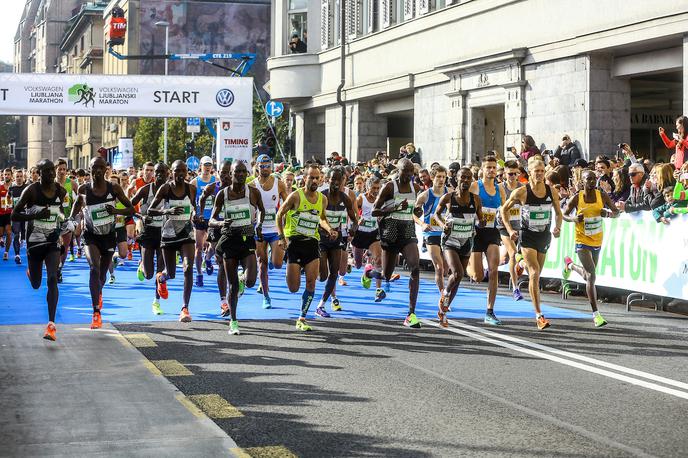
column 224, row 98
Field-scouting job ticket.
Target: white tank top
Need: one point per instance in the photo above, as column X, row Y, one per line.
column 369, row 222
column 271, row 202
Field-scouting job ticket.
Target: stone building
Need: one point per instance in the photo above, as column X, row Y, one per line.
column 459, row 78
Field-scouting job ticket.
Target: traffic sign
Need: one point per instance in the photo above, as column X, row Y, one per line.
column 193, row 125
column 274, row 108
column 192, row 162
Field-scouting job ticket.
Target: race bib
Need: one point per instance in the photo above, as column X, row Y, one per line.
column 209, row 202
column 307, row 224
column 51, row 222
column 185, row 215
column 270, row 216
column 336, row 218
column 99, row 215
column 239, row 215
column 370, row 224
column 539, row 217
column 515, row 213
column 490, row 215
column 592, row 225
column 461, row 229
column 404, row 215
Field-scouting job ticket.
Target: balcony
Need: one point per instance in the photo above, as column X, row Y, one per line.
column 294, row 76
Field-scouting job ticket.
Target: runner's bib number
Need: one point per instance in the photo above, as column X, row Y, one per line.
column 539, row 217
column 403, row 215
column 490, row 215
column 239, row 215
column 185, row 214
column 51, row 222
column 100, row 215
column 270, row 216
column 307, row 224
column 592, row 225
column 336, row 218
column 515, row 213
column 368, row 225
column 461, row 229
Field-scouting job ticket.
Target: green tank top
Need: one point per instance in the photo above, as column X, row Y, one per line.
column 69, row 197
column 119, row 219
column 304, row 221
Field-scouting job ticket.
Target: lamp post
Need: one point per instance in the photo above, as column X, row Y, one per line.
column 166, row 25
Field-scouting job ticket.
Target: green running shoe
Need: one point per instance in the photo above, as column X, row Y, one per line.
column 71, row 257
column 156, row 307
column 139, row 273
column 301, row 325
column 242, row 287
column 234, row 328
column 599, row 321
column 366, row 281
column 411, row 321
column 566, row 273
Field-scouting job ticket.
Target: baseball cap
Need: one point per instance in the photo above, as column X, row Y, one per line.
column 263, row 158
column 206, row 160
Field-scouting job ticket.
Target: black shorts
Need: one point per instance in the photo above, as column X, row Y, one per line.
column 150, row 238
column 363, row 240
column 6, row 219
column 201, row 225
column 397, row 247
column 326, row 244
column 433, row 240
column 121, row 234
column 38, row 252
column 302, row 251
column 104, row 243
column 484, row 238
column 214, row 234
column 464, row 251
column 176, row 244
column 538, row 241
column 235, row 246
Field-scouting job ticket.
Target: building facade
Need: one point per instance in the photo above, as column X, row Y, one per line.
column 460, row 78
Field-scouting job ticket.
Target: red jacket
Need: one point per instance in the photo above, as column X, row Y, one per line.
column 681, row 148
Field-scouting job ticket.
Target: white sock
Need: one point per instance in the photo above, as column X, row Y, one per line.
column 595, row 313
column 538, row 315
column 321, row 304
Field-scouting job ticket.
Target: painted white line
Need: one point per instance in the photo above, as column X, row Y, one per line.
column 102, row 331
column 557, row 359
column 568, row 354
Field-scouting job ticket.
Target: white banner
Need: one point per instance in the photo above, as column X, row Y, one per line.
column 235, row 141
column 125, row 95
column 124, row 157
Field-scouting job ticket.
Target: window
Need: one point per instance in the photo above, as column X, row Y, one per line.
column 298, row 19
column 82, row 40
column 76, row 126
column 326, row 20
column 69, row 127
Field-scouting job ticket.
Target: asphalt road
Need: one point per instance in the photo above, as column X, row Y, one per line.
column 374, row 388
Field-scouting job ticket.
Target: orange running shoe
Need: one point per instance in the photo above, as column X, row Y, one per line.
column 96, row 322
column 184, row 315
column 130, row 256
column 341, row 281
column 161, row 286
column 49, row 332
column 542, row 323
column 394, row 277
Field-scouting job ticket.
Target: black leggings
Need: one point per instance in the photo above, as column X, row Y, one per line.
column 52, row 262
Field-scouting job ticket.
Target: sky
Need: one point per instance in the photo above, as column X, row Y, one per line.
column 11, row 12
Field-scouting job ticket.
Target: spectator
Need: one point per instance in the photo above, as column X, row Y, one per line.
column 669, row 208
column 567, row 152
column 528, row 148
column 638, row 198
column 664, row 178
column 604, row 174
column 453, row 180
column 424, row 179
column 296, row 46
column 679, row 142
column 622, row 185
column 411, row 154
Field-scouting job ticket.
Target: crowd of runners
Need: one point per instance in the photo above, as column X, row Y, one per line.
column 319, row 220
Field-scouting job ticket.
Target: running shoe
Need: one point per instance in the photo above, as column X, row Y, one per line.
column 411, row 321
column 259, row 290
column 440, row 303
column 301, row 325
column 139, row 272
column 59, row 275
column 341, row 281
column 267, row 303
column 184, row 315
column 542, row 322
column 130, row 255
column 209, row 267
column 233, row 328
column 161, row 286
column 97, row 321
column 49, row 332
column 366, row 281
column 17, row 259
column 395, row 277
column 490, row 318
column 348, row 268
column 566, row 273
column 443, row 319
column 224, row 308
column 321, row 312
column 517, row 295
column 5, row 256
column 71, row 257
column 199, row 280
column 336, row 306
column 599, row 321
column 242, row 286
column 79, row 253
column 388, row 287
column 156, row 307
column 112, row 280
column 380, row 294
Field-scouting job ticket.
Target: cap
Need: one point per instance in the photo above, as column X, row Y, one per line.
column 206, row 160
column 263, row 158
column 581, row 163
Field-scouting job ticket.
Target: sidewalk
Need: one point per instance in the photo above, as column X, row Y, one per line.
column 90, row 394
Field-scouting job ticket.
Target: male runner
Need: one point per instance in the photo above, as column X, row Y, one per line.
column 177, row 232
column 509, row 185
column 463, row 214
column 122, row 247
column 591, row 206
column 237, row 244
column 347, row 235
column 297, row 225
column 150, row 237
column 396, row 206
column 66, row 236
column 204, row 179
column 273, row 191
column 41, row 206
column 18, row 227
column 432, row 231
column 98, row 200
column 6, row 211
column 487, row 238
column 367, row 237
column 537, row 200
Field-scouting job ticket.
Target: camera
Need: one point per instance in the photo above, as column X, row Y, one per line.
column 621, row 145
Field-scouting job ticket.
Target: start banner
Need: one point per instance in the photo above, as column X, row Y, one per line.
column 61, row 94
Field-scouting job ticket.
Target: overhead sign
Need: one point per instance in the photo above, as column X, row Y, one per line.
column 274, row 108
column 64, row 94
column 193, row 125
column 234, row 141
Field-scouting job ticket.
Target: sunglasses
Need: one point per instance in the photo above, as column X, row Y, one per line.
column 512, row 174
column 632, row 174
column 265, row 166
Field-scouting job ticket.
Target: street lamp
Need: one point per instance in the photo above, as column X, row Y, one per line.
column 166, row 25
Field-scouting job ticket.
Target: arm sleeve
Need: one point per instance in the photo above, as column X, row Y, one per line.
column 680, row 210
column 668, row 143
column 658, row 212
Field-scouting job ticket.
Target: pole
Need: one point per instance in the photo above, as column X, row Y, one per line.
column 342, row 62
column 167, row 40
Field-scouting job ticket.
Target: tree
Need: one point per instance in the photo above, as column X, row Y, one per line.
column 148, row 132
column 261, row 123
column 9, row 130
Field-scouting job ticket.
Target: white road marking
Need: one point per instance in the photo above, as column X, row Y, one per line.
column 546, row 355
column 112, row 332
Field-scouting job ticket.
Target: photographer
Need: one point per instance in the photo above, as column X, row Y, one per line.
column 296, row 46
column 567, row 152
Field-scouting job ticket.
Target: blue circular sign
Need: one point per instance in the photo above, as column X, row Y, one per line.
column 192, row 162
column 274, row 108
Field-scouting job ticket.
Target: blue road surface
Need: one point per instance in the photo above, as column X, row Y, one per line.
column 129, row 300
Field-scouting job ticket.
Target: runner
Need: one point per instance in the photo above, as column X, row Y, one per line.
column 205, row 178
column 396, row 206
column 98, row 200
column 537, row 200
column 347, row 234
column 432, row 231
column 66, row 236
column 6, row 211
column 120, row 235
column 177, row 232
column 297, row 224
column 272, row 191
column 237, row 244
column 18, row 227
column 509, row 185
column 41, row 205
column 462, row 207
column 151, row 234
column 486, row 239
column 367, row 237
column 338, row 207
column 591, row 206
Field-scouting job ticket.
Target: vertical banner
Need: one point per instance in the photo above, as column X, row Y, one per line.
column 125, row 156
column 235, row 141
